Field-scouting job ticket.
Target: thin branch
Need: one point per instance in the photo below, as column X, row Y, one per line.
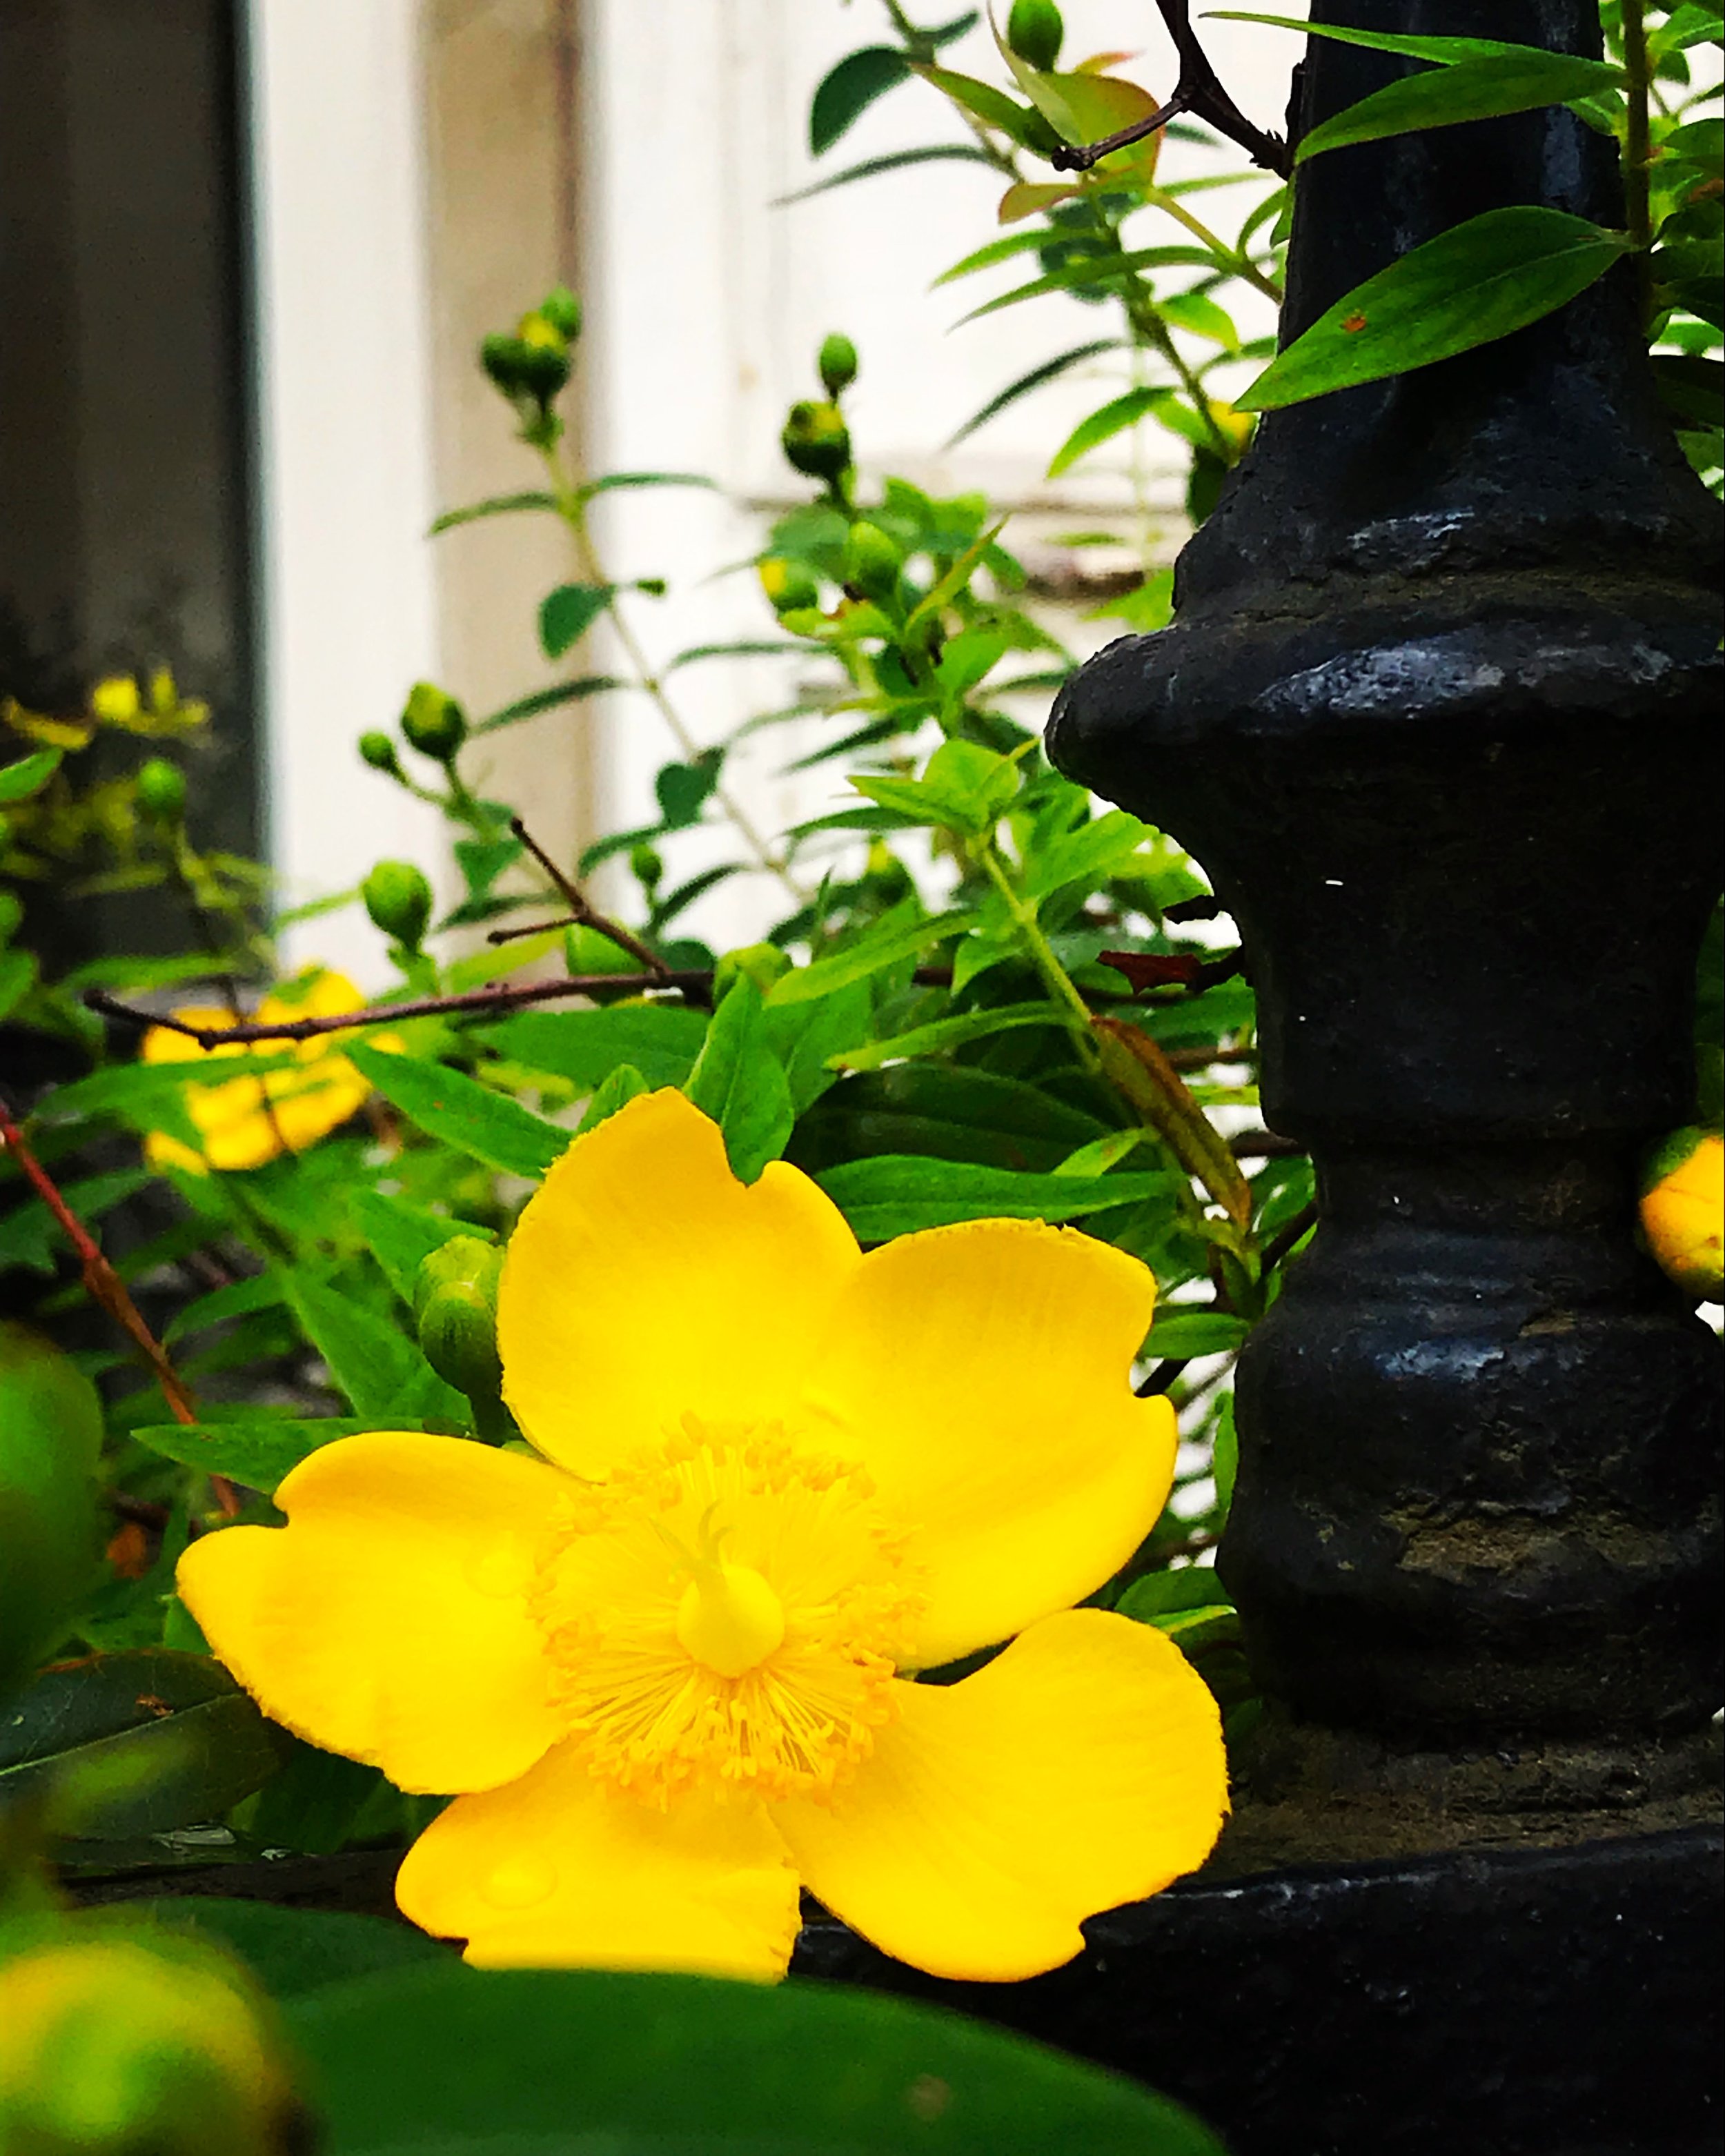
column 583, row 913
column 1199, row 91
column 1281, row 1246
column 105, row 1288
column 691, row 982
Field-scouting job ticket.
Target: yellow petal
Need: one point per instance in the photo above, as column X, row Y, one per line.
column 389, row 1619
column 1082, row 1768
column 981, row 1374
column 646, row 1282
column 559, row 1871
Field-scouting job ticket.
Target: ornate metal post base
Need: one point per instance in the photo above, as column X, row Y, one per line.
column 1440, row 715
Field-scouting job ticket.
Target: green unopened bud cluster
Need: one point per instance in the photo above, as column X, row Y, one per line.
column 530, row 364
column 161, row 790
column 398, row 897
column 433, row 722
column 455, row 1304
column 762, row 963
column 816, row 441
column 872, row 562
column 1035, row 32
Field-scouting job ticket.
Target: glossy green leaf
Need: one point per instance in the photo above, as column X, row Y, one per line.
column 847, row 91
column 1470, row 90
column 371, row 1359
column 949, row 1110
column 1103, row 847
column 458, row 1110
column 619, row 1087
column 566, row 615
column 28, row 775
column 554, row 2062
column 901, row 1195
column 135, row 1743
column 1181, row 1335
column 1444, row 50
column 1477, row 282
column 944, row 1033
column 739, row 1082
column 1159, row 1595
column 1692, row 386
column 258, row 1451
column 294, row 1951
column 805, row 1036
column 984, row 102
column 1103, row 425
column 496, row 504
column 1200, row 316
column 901, row 933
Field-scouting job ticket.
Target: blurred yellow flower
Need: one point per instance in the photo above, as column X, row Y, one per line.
column 660, row 1664
column 249, row 1121
column 1683, row 1210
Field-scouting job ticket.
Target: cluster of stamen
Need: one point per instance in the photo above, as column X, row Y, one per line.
column 726, row 1610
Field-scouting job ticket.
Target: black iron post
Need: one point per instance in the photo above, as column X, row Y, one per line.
column 1440, row 714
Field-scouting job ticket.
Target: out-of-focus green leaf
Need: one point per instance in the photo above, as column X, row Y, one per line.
column 1048, row 371
column 1470, row 90
column 452, row 2061
column 459, row 1109
column 28, row 775
column 135, row 1743
column 296, row 1952
column 1102, row 848
column 566, row 615
column 932, row 153
column 739, row 1082
column 900, row 1194
column 31, row 1236
column 661, row 1040
column 847, row 91
column 614, row 481
column 496, row 504
column 1478, row 281
column 548, row 700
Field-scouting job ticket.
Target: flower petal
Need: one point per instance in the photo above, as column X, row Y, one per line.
column 389, row 1619
column 1082, row 1768
column 646, row 1282
column 559, row 1870
column 981, row 1375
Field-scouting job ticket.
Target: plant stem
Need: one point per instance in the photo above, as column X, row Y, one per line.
column 1636, row 140
column 1042, row 954
column 1237, row 264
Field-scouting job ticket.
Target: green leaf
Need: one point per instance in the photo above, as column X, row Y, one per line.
column 684, row 789
column 896, row 935
column 1444, row 50
column 847, row 91
column 370, row 1359
column 294, row 1951
column 401, row 1236
column 965, row 787
column 741, row 647
column 260, row 1453
column 28, row 775
column 563, row 2062
column 962, row 153
column 621, row 1086
column 31, row 1236
column 944, row 1033
column 1692, row 386
column 17, row 976
column 1105, row 267
column 1099, row 848
column 613, row 480
column 1477, row 282
column 948, row 1111
column 805, row 1036
column 496, row 504
column 449, row 1106
column 548, row 700
column 1101, row 426
column 996, row 250
column 901, row 1195
column 1101, row 1154
column 1470, row 90
column 739, row 1082
column 566, row 615
column 1183, row 1337
column 1048, row 372
column 240, row 1298
column 661, row 1040
column 1201, row 317
column 135, row 1743
column 1162, row 1594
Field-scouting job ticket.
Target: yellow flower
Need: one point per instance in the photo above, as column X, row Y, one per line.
column 249, row 1121
column 659, row 1662
column 1683, row 1210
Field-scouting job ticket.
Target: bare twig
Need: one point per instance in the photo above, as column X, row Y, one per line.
column 1282, row 1245
column 105, row 1288
column 691, row 981
column 583, row 912
column 1199, row 91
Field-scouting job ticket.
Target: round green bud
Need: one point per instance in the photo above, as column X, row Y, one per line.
column 533, row 369
column 762, row 963
column 463, row 1261
column 816, row 440
column 113, row 2046
column 398, row 899
column 837, row 364
column 871, row 561
column 433, row 722
column 378, row 751
column 788, row 585
column 1035, row 32
column 455, row 1302
column 646, row 865
column 561, row 309
column 50, row 1441
column 161, row 790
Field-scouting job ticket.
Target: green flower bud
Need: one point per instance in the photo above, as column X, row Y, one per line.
column 433, row 722
column 816, row 441
column 1035, row 32
column 398, row 899
column 647, row 865
column 561, row 309
column 456, row 1301
column 161, row 790
column 871, row 561
column 762, row 963
column 530, row 370
column 378, row 751
column 788, row 585
column 837, row 364
column 50, row 1441
column 113, row 2046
